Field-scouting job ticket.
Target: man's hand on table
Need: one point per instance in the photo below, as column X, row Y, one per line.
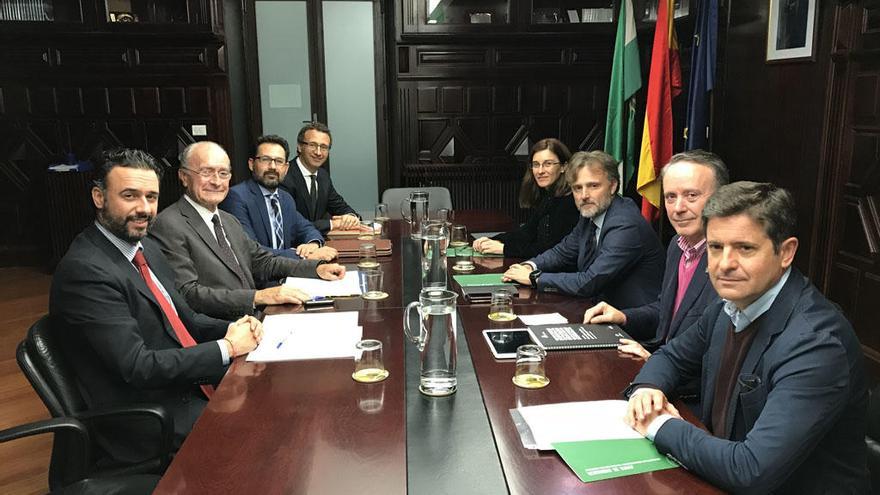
column 518, row 273
column 645, row 405
column 243, row 335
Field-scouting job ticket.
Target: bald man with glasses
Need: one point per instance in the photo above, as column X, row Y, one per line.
column 216, row 265
column 310, row 185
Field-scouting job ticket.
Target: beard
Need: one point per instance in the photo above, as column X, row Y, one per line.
column 269, row 181
column 118, row 226
column 591, row 210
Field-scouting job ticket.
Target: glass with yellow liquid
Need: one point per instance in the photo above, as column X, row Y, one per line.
column 501, row 307
column 367, row 252
column 368, row 366
column 530, row 367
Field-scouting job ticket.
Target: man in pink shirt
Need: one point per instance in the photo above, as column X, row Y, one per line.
column 689, row 179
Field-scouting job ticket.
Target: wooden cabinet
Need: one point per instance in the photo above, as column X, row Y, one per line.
column 85, row 78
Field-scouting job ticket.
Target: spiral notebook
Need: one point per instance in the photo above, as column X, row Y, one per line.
column 571, row 336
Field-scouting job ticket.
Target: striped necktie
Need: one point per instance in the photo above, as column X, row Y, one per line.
column 277, row 222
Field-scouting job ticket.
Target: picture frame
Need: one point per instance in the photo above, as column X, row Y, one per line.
column 791, row 30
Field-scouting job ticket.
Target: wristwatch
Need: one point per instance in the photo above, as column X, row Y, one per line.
column 533, row 278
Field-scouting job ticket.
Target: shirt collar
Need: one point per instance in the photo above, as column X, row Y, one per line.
column 744, row 318
column 266, row 192
column 599, row 219
column 303, row 169
column 203, row 212
column 689, row 251
column 126, row 248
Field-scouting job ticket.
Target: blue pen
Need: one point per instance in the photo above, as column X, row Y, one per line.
column 283, row 340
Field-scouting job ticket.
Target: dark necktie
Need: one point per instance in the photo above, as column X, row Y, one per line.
column 183, row 336
column 313, row 195
column 277, row 222
column 226, row 250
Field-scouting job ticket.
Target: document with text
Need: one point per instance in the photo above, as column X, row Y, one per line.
column 308, row 336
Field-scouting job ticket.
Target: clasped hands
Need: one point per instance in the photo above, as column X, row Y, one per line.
column 243, row 335
column 488, row 246
column 312, row 251
column 519, row 273
column 345, row 222
column 645, row 405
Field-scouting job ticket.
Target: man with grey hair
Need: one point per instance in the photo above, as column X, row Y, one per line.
column 214, row 261
column 612, row 253
column 689, row 179
column 782, row 374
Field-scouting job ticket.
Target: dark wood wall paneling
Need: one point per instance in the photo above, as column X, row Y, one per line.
column 81, row 87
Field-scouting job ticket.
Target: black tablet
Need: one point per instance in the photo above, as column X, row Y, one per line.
column 503, row 343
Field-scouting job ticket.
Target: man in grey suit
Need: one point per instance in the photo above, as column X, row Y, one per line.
column 214, row 261
column 783, row 384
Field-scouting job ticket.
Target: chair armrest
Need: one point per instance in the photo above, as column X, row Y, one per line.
column 78, row 441
column 166, row 422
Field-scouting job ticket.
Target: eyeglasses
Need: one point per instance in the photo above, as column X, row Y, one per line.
column 316, row 146
column 546, row 164
column 268, row 160
column 209, row 173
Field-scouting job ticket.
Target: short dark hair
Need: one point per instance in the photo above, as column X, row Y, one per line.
column 770, row 206
column 529, row 191
column 313, row 126
column 704, row 158
column 272, row 139
column 123, row 157
column 582, row 159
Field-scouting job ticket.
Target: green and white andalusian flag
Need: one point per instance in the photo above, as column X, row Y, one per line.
column 626, row 79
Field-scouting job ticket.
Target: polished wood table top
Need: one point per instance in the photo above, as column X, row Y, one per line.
column 574, row 376
column 307, row 427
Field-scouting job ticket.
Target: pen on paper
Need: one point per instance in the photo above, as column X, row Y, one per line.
column 283, row 340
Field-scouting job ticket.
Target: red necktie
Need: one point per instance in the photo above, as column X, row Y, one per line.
column 183, row 335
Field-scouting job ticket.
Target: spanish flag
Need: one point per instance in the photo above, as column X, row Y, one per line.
column 664, row 83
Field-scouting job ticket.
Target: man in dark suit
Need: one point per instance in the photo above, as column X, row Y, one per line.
column 310, row 185
column 782, row 374
column 268, row 214
column 611, row 254
column 215, row 263
column 689, row 179
column 128, row 334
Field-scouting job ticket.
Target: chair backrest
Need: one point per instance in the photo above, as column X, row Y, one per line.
column 438, row 197
column 41, row 360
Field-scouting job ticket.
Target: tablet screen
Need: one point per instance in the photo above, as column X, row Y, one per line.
column 503, row 343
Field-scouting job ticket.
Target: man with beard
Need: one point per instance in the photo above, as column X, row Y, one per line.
column 309, row 182
column 128, row 334
column 214, row 261
column 612, row 254
column 268, row 214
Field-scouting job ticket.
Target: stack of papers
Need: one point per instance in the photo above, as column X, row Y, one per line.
column 308, row 336
column 542, row 319
column 315, row 287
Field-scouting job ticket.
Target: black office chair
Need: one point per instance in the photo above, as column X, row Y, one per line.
column 73, row 449
column 51, row 376
column 872, row 437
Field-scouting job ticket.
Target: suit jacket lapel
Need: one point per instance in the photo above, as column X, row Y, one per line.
column 698, row 284
column 299, row 182
column 259, row 202
column 127, row 269
column 198, row 225
column 768, row 325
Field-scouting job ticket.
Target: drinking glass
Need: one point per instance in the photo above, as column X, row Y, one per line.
column 501, row 307
column 458, row 237
column 464, row 259
column 530, row 367
column 371, row 284
column 382, row 213
column 367, row 252
column 368, row 366
column 367, row 230
column 444, row 215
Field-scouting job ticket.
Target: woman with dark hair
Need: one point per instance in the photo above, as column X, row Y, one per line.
column 545, row 191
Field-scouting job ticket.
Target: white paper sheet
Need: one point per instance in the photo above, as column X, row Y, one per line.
column 315, row 287
column 574, row 421
column 542, row 319
column 308, row 336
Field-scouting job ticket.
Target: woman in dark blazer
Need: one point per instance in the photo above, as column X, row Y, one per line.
column 553, row 211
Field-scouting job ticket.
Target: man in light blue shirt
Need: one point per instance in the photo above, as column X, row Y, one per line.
column 783, row 386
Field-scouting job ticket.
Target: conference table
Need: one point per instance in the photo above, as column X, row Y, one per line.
column 307, row 427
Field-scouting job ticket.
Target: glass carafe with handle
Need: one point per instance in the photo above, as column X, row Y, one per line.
column 436, row 339
column 414, row 209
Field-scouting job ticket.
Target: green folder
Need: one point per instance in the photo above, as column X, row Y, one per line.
column 594, row 460
column 479, row 280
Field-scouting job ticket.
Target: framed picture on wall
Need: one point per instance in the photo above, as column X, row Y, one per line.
column 791, row 30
